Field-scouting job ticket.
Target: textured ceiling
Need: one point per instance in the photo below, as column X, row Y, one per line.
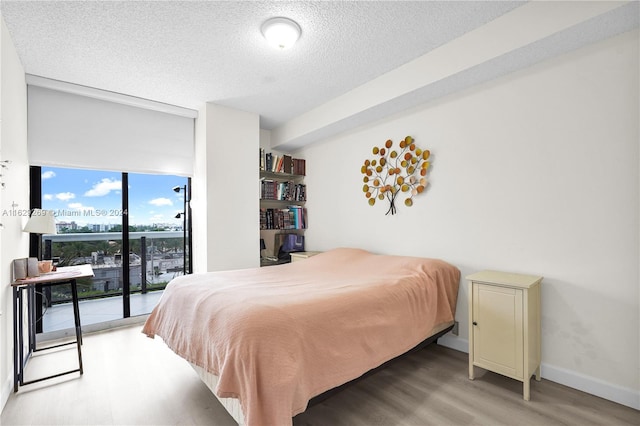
column 187, row 53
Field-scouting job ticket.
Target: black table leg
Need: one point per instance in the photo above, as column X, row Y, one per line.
column 76, row 315
column 19, row 357
column 16, row 353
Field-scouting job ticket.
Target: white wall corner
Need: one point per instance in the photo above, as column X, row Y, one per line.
column 5, row 392
column 15, row 196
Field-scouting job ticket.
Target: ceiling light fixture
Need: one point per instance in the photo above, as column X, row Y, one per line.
column 281, row 32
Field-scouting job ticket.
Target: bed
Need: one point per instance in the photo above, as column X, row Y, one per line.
column 268, row 340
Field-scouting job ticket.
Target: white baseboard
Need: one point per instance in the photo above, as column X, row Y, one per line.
column 597, row 387
column 573, row 379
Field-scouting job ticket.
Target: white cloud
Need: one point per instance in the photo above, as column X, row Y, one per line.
column 104, row 187
column 65, row 196
column 47, row 197
column 78, row 206
column 47, row 175
column 161, row 202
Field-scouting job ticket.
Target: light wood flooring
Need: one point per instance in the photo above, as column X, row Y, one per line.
column 130, row 379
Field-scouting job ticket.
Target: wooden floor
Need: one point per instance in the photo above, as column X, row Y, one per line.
column 133, row 380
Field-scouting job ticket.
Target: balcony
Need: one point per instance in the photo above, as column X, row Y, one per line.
column 155, row 258
column 94, row 311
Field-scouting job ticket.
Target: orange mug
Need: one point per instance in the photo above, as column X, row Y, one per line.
column 45, row 266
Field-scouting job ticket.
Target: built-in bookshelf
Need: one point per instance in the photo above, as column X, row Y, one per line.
column 283, row 195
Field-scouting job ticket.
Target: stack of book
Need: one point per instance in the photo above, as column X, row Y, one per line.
column 292, row 217
column 286, row 190
column 281, row 163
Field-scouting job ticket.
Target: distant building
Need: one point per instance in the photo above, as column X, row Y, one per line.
column 61, row 227
column 101, row 227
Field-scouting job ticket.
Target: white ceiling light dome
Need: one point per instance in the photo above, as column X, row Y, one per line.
column 281, row 32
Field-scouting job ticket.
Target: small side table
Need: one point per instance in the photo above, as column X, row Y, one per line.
column 65, row 275
column 301, row 255
column 504, row 325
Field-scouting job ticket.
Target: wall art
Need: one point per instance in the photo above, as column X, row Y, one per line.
column 393, row 172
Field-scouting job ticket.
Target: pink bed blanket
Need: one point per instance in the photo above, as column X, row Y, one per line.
column 280, row 335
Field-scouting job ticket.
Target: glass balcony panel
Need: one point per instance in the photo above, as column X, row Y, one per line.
column 101, row 296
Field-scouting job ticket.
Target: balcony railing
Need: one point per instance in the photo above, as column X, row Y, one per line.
column 154, row 259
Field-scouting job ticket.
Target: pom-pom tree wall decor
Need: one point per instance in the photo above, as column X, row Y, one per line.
column 393, row 172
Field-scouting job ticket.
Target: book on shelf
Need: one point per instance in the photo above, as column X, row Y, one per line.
column 299, row 166
column 268, row 160
column 262, row 159
column 287, row 164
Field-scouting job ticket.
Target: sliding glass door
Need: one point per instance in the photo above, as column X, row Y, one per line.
column 157, row 243
column 129, row 227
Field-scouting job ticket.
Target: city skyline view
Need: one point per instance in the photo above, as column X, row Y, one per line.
column 94, row 197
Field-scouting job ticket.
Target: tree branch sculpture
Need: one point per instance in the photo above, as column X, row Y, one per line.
column 391, row 172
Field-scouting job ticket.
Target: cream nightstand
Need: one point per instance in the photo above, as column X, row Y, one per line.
column 504, row 329
column 301, row 255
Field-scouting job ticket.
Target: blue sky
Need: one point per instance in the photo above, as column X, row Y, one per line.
column 95, row 197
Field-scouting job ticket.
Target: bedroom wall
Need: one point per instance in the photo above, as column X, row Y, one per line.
column 535, row 172
column 14, row 197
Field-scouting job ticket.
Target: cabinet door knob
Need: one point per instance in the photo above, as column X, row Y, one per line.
column 475, row 323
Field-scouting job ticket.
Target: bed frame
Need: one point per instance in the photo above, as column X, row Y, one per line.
column 232, row 405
